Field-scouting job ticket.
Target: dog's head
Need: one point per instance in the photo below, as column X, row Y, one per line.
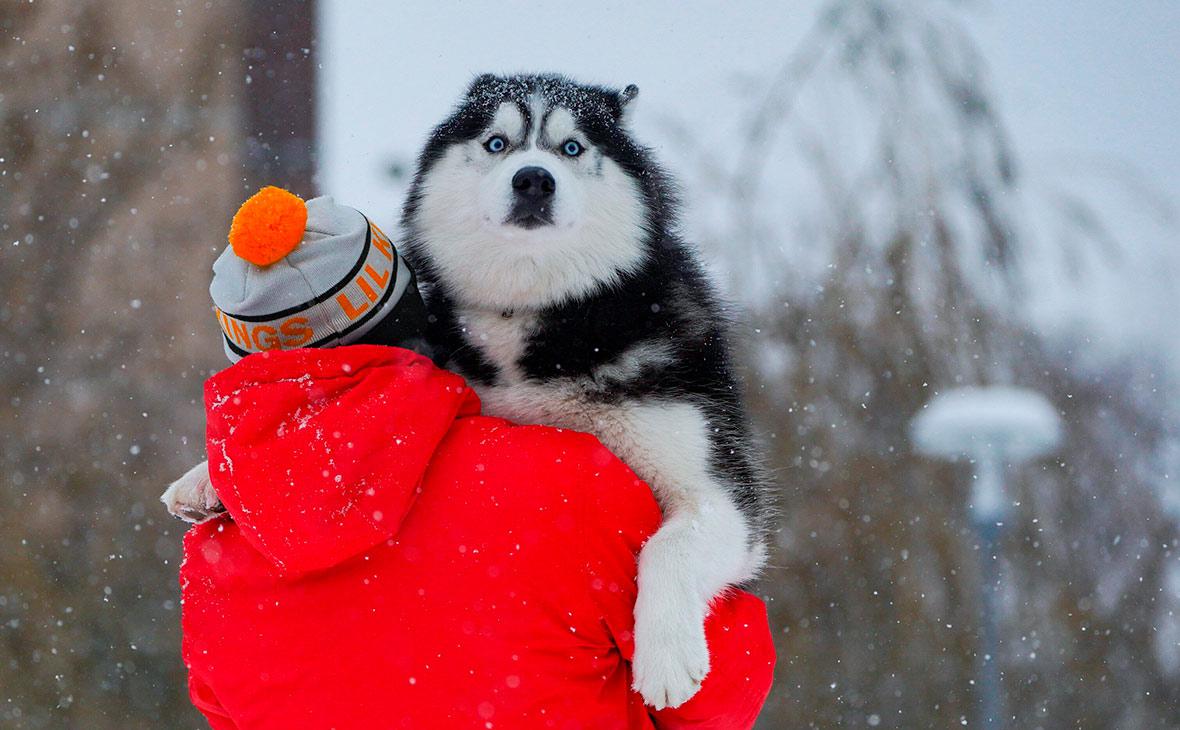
column 532, row 193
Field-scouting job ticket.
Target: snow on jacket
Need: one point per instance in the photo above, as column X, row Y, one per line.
column 396, row 560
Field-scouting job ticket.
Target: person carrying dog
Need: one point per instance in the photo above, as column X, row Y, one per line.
column 388, row 557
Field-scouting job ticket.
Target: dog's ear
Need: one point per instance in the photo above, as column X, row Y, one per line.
column 626, row 100
column 481, row 82
column 627, row 95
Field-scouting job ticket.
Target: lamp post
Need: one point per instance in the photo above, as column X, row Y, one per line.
column 992, row 427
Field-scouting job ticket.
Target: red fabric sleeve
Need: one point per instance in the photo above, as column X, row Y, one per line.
column 204, row 700
column 741, row 648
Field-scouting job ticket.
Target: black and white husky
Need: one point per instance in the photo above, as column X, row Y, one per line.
column 545, row 237
column 545, row 240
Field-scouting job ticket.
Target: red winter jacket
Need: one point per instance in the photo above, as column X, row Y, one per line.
column 396, row 560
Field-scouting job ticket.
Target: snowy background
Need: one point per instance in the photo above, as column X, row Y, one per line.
column 1089, row 93
column 904, row 196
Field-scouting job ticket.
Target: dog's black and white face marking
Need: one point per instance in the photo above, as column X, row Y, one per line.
column 525, row 197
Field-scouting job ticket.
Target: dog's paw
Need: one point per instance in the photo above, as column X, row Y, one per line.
column 192, row 497
column 671, row 657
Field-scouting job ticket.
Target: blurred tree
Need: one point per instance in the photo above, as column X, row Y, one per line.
column 907, row 273
column 123, row 152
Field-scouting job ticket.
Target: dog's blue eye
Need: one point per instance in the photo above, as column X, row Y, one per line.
column 495, row 144
column 572, row 148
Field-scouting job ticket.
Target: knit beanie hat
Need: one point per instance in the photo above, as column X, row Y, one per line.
column 312, row 274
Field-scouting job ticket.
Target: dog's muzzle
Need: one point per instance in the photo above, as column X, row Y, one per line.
column 532, row 197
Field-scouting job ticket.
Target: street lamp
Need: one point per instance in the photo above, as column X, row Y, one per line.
column 992, row 427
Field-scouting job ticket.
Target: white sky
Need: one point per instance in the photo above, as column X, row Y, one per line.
column 1076, row 78
column 1076, row 82
column 418, row 56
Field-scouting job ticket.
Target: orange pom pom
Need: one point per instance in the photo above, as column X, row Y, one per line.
column 268, row 226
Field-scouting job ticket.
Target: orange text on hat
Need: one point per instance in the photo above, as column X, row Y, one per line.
column 289, row 333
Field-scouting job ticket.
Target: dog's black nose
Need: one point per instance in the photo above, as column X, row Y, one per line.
column 534, row 183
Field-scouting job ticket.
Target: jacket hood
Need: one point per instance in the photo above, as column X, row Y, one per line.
column 318, row 454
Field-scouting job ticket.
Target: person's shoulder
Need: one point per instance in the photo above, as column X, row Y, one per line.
column 553, row 463
column 544, row 448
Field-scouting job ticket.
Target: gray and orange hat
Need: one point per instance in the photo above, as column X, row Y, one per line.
column 312, row 274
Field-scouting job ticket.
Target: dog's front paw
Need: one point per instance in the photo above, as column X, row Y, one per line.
column 671, row 655
column 192, row 497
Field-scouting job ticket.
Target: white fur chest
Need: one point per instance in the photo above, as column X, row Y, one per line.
column 501, row 339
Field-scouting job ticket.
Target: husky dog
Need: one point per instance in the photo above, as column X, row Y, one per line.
column 544, row 238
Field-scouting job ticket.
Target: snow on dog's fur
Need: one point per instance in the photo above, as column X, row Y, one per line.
column 544, row 238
